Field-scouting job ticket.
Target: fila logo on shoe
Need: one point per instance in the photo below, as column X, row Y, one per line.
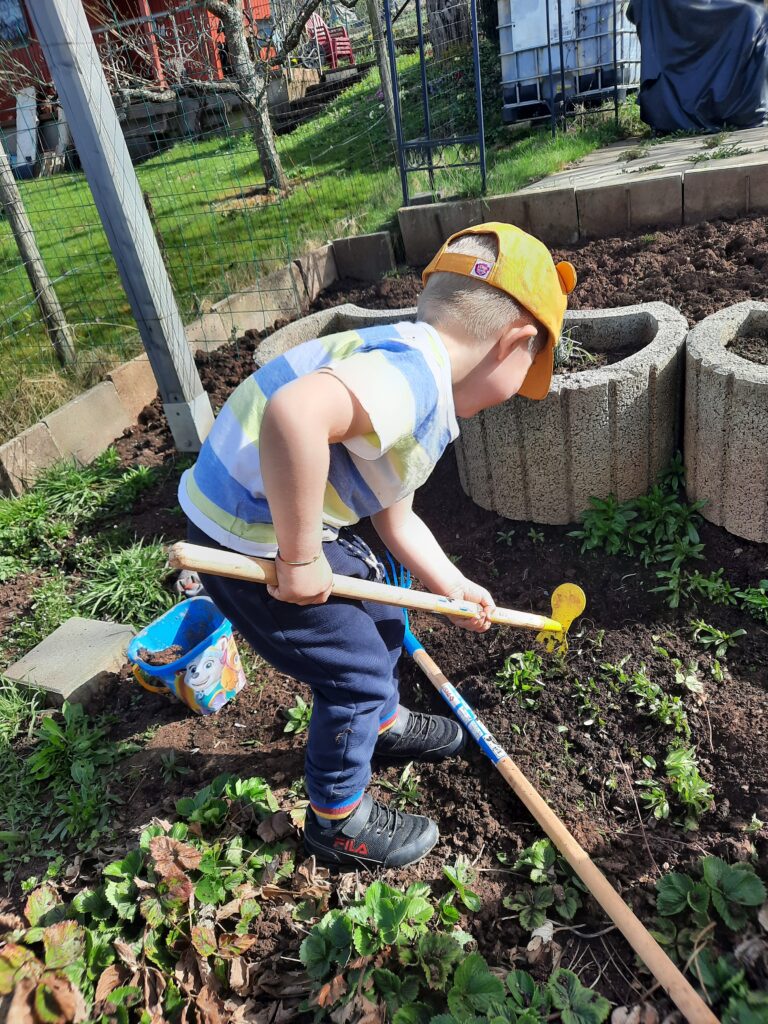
column 349, row 846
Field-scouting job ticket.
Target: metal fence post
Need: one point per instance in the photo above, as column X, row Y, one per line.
column 73, row 61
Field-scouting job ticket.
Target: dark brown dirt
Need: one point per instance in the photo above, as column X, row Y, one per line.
column 698, row 269
column 164, row 657
column 751, row 346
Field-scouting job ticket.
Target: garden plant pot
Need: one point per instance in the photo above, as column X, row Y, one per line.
column 208, row 673
column 726, row 422
column 607, row 430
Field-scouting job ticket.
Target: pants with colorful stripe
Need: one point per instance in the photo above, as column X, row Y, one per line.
column 346, row 651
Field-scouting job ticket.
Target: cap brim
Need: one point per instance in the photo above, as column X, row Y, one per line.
column 539, row 377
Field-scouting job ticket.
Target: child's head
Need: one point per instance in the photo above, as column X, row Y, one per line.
column 495, row 290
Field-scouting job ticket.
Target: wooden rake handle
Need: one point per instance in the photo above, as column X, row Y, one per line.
column 671, row 979
column 262, row 570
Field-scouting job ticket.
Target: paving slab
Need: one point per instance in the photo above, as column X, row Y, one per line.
column 74, row 661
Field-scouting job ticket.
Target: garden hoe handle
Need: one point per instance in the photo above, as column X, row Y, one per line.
column 262, row 570
column 671, row 979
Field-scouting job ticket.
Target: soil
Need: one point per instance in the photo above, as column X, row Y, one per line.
column 751, row 346
column 698, row 269
column 578, row 363
column 586, row 772
column 164, row 657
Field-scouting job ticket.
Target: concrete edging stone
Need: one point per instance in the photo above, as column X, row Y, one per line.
column 726, row 423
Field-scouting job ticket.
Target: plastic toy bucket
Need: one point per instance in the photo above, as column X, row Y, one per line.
column 209, row 673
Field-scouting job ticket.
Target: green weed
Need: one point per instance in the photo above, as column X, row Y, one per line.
column 715, row 641
column 461, row 875
column 19, row 706
column 667, row 710
column 520, row 675
column 405, row 792
column 754, row 600
column 298, row 716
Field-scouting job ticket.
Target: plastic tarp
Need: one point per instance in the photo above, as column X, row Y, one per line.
column 704, row 63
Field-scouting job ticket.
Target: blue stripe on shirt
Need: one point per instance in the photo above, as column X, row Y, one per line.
column 213, row 479
column 274, row 375
column 348, row 483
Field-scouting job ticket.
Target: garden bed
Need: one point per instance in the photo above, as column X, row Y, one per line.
column 594, row 738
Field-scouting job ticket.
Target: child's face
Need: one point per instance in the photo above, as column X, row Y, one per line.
column 498, row 375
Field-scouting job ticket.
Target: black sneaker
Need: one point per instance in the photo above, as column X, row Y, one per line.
column 416, row 736
column 374, row 835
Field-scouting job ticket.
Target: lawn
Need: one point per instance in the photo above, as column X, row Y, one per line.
column 343, row 181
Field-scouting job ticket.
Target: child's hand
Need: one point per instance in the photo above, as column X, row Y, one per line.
column 303, row 584
column 466, row 590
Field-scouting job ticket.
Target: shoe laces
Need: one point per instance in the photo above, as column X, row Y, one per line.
column 384, row 818
column 420, row 725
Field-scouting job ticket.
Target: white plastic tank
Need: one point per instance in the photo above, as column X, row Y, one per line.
column 591, row 31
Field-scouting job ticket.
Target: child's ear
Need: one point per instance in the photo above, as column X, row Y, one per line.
column 512, row 336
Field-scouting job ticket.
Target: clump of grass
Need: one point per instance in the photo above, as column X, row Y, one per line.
column 52, row 604
column 127, row 585
column 18, row 708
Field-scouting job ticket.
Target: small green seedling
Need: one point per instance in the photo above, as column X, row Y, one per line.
column 406, row 790
column 755, row 601
column 461, row 875
column 298, row 716
column 173, row 766
column 520, row 675
column 536, row 536
column 715, row 641
column 506, row 537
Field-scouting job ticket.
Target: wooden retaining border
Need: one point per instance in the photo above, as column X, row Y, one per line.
column 87, row 425
column 566, row 215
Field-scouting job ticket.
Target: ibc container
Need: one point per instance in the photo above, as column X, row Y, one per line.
column 587, row 54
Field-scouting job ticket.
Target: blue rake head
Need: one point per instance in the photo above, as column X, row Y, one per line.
column 398, row 576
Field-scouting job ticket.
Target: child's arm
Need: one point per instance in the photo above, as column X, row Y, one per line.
column 412, row 542
column 300, row 422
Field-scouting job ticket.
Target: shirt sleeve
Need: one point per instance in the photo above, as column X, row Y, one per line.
column 391, row 386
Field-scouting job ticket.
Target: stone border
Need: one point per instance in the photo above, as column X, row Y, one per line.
column 726, row 423
column 563, row 216
column 609, row 430
column 81, row 429
column 287, row 292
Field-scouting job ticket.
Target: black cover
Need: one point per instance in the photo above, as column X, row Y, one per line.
column 704, row 63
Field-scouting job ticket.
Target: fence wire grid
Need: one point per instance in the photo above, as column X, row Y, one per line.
column 219, row 226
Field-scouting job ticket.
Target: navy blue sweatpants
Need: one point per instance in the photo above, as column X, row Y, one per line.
column 346, row 651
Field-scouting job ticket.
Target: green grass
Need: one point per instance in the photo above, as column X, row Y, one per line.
column 343, row 181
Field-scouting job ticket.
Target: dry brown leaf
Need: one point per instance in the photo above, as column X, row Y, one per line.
column 331, row 992
column 63, row 1002
column 210, row 1008
column 231, row 945
column 275, row 892
column 173, row 858
column 238, row 976
column 126, row 954
column 762, row 916
column 229, row 910
column 276, row 826
column 20, row 1010
column 358, row 1010
column 154, row 989
column 11, row 923
column 186, row 973
column 641, row 1013
column 286, row 985
column 111, row 978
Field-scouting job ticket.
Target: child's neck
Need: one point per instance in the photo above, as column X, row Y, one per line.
column 464, row 353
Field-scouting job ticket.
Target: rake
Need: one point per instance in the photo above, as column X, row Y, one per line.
column 671, row 979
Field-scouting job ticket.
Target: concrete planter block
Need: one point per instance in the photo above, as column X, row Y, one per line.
column 84, row 427
column 712, row 192
column 425, row 228
column 607, row 210
column 364, row 257
column 551, row 216
column 327, row 321
column 609, row 430
column 726, row 423
column 23, row 458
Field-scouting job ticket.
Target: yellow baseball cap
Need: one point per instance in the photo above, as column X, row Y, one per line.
column 525, row 270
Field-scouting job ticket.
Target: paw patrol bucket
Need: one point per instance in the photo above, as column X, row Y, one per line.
column 208, row 673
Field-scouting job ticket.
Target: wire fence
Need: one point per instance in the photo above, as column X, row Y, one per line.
column 219, row 224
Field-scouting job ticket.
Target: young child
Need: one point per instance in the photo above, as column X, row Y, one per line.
column 349, row 426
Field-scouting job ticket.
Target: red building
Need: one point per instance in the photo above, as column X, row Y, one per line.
column 159, row 43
